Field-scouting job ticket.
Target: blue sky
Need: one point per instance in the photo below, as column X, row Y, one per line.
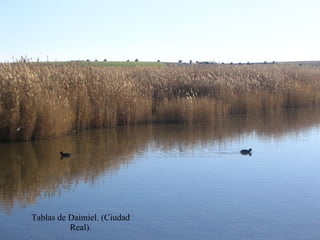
column 168, row 30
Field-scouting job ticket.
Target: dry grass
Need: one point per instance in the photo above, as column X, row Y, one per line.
column 43, row 100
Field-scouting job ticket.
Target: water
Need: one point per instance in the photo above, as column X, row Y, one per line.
column 168, row 181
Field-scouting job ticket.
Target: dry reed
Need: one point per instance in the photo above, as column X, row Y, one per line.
column 44, row 100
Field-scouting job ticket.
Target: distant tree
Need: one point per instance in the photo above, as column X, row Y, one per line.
column 105, row 60
column 137, row 60
column 180, row 61
column 158, row 61
column 248, row 63
column 240, row 63
column 96, row 60
column 190, row 61
column 231, row 63
column 88, row 60
column 265, row 62
column 128, row 60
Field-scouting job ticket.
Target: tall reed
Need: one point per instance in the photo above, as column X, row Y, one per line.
column 44, row 100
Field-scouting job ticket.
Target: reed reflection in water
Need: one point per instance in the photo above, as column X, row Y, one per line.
column 35, row 169
column 32, row 171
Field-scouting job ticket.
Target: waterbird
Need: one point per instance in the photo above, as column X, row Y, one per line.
column 246, row 151
column 65, row 155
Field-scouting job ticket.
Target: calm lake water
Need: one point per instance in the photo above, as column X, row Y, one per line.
column 167, row 182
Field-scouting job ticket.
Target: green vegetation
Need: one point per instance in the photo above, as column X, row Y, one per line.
column 107, row 63
column 44, row 100
column 123, row 64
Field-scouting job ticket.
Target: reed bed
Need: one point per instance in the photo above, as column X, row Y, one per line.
column 46, row 100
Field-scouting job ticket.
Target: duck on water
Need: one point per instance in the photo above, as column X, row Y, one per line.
column 246, row 151
column 65, row 155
